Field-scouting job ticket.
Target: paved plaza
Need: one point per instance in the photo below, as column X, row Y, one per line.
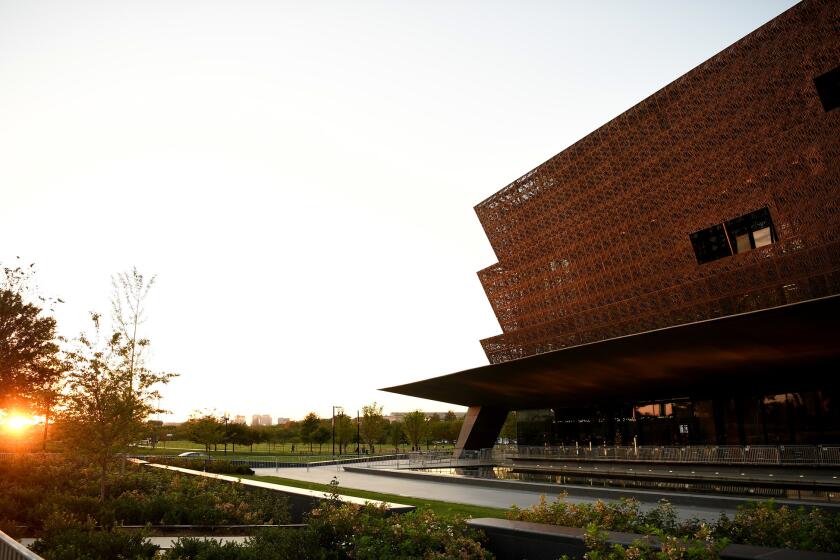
column 454, row 492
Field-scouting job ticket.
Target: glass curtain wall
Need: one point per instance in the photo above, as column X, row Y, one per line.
column 782, row 419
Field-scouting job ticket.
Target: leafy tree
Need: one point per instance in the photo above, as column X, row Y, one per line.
column 104, row 411
column 373, row 425
column 236, row 433
column 307, row 429
column 508, row 433
column 28, row 345
column 321, row 435
column 451, row 427
column 278, row 434
column 111, row 391
column 396, row 435
column 206, row 430
column 345, row 431
column 153, row 429
column 45, row 392
column 415, row 427
column 432, row 429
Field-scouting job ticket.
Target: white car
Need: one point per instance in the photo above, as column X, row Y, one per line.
column 194, row 455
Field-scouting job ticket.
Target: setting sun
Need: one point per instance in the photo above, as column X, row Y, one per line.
column 17, row 422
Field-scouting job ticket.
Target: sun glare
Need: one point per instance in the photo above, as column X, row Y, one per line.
column 17, row 422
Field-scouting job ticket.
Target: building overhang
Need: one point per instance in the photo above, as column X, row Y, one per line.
column 790, row 348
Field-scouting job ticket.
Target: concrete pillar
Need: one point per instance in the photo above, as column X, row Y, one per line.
column 482, row 425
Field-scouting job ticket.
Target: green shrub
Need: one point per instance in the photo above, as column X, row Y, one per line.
column 188, row 548
column 339, row 531
column 766, row 524
column 670, row 548
column 624, row 515
column 758, row 523
column 36, row 487
column 269, row 544
column 369, row 532
column 66, row 539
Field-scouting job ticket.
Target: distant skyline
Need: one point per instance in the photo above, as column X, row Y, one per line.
column 301, row 177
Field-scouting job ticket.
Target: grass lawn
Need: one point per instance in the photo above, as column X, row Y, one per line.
column 442, row 509
column 259, row 450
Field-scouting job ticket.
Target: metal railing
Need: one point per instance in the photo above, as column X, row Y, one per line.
column 439, row 459
column 10, row 549
column 275, row 462
column 705, row 454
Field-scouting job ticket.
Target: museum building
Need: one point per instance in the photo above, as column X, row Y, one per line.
column 674, row 276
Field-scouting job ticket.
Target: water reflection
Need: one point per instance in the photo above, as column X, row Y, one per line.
column 509, row 473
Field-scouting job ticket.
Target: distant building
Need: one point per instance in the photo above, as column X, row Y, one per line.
column 281, row 420
column 261, row 420
column 239, row 419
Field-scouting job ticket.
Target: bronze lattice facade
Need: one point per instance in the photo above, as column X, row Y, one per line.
column 597, row 242
column 674, row 277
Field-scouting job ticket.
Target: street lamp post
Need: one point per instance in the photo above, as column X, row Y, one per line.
column 225, row 433
column 340, row 411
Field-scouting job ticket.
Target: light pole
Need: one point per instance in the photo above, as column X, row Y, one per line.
column 340, row 411
column 225, row 418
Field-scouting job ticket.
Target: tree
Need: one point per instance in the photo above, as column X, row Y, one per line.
column 345, row 430
column 307, row 429
column 236, row 433
column 321, row 435
column 111, row 391
column 45, row 391
column 128, row 313
column 508, row 433
column 108, row 400
column 206, row 430
column 373, row 426
column 451, row 427
column 395, row 434
column 432, row 429
column 415, row 428
column 28, row 343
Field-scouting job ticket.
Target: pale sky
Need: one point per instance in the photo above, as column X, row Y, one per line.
column 301, row 175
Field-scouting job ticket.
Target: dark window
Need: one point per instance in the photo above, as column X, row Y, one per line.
column 710, row 244
column 828, row 88
column 751, row 231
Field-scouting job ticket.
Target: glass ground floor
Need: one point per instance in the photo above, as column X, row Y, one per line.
column 811, row 417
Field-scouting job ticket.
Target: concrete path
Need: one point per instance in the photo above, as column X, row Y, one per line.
column 449, row 492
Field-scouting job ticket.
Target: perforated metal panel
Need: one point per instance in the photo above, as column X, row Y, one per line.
column 594, row 243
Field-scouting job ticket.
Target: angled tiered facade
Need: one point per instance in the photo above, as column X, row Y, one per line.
column 712, row 210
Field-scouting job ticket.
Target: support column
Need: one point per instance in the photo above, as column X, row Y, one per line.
column 482, row 425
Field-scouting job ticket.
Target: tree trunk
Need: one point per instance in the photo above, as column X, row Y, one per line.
column 103, row 476
column 46, row 423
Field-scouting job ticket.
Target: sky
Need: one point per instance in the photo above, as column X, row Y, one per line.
column 301, row 176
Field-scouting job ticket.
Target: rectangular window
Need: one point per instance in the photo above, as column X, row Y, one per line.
column 739, row 235
column 710, row 244
column 751, row 231
column 828, row 88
